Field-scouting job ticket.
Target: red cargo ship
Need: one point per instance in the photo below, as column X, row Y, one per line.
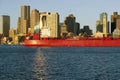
column 73, row 42
column 49, row 42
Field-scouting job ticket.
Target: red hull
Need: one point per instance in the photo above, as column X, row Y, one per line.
column 73, row 43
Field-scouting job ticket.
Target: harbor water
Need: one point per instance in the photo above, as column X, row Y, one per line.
column 59, row 63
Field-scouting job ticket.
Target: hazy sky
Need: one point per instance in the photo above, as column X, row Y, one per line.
column 85, row 11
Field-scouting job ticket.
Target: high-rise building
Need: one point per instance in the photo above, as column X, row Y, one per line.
column 34, row 19
column 24, row 20
column 53, row 23
column 118, row 23
column 105, row 23
column 70, row 22
column 99, row 26
column 5, row 25
column 102, row 24
column 49, row 24
column 19, row 28
column 77, row 28
column 114, row 18
column 86, row 32
column 63, row 30
column 44, row 28
column 25, row 12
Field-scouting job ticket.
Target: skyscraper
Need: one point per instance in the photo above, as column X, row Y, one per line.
column 25, row 12
column 105, row 23
column 99, row 26
column 53, row 23
column 5, row 25
column 19, row 28
column 114, row 22
column 102, row 24
column 49, row 24
column 118, row 23
column 63, row 29
column 70, row 22
column 44, row 28
column 34, row 19
column 24, row 20
column 77, row 28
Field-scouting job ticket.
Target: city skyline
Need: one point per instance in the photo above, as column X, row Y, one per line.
column 86, row 14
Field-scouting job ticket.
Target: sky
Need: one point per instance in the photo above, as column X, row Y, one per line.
column 87, row 12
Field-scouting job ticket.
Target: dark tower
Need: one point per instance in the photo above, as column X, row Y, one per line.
column 70, row 22
column 114, row 20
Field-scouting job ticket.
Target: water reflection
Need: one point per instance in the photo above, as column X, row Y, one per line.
column 39, row 66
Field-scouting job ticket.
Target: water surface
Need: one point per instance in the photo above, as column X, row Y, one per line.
column 59, row 63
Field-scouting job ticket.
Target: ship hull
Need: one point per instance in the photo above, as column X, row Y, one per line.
column 73, row 43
